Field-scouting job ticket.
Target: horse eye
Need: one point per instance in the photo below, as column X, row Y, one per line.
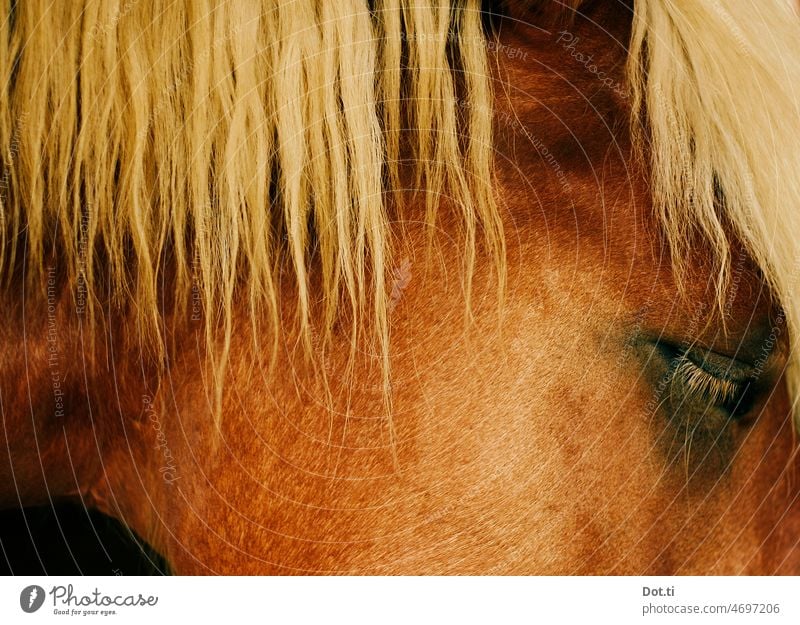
column 705, row 378
column 735, row 397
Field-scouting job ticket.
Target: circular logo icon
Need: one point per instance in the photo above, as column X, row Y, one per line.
column 31, row 598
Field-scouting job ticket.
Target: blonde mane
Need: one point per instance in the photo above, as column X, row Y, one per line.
column 233, row 141
column 233, row 138
column 718, row 82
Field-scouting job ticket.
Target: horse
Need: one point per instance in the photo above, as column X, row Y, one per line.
column 406, row 287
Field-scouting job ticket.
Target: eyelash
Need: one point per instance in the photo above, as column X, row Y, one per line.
column 730, row 395
column 699, row 382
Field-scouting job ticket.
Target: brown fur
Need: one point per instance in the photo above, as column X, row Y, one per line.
column 524, row 441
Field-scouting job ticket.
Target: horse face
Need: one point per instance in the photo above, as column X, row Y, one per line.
column 602, row 420
column 631, row 467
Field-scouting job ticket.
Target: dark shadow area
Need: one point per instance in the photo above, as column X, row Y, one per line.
column 67, row 539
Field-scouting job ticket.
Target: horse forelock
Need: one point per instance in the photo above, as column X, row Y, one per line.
column 714, row 103
column 228, row 140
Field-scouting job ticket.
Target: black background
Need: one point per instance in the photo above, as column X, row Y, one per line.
column 68, row 539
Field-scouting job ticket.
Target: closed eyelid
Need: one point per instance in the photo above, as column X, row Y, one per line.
column 703, row 377
column 698, row 381
column 719, row 365
column 705, row 399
